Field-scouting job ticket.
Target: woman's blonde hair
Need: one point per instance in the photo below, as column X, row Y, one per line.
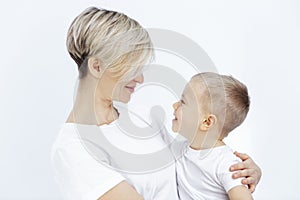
column 120, row 43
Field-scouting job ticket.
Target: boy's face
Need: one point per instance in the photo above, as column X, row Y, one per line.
column 188, row 111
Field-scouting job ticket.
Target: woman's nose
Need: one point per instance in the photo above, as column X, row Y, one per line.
column 139, row 78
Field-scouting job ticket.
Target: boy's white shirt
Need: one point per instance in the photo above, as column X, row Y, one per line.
column 83, row 169
column 204, row 174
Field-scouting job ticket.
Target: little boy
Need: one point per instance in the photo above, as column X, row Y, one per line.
column 211, row 106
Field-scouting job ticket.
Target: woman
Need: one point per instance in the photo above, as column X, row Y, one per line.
column 110, row 49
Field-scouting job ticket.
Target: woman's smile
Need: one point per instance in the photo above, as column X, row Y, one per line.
column 130, row 88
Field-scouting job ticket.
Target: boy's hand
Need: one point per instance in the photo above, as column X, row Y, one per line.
column 249, row 170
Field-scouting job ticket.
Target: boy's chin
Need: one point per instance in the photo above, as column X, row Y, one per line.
column 174, row 129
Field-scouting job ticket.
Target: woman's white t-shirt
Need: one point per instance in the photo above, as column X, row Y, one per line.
column 89, row 160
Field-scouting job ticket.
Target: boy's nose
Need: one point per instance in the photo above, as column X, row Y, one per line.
column 176, row 105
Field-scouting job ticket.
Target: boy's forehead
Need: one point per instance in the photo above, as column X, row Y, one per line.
column 198, row 85
column 194, row 88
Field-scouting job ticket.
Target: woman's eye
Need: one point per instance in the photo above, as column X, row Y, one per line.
column 182, row 102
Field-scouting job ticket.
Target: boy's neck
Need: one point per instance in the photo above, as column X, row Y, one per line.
column 206, row 141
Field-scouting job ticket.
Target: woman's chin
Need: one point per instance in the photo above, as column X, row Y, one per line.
column 123, row 99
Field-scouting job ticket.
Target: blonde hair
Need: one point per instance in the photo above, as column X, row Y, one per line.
column 119, row 42
column 229, row 99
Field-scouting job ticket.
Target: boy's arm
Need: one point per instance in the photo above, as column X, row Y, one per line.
column 239, row 193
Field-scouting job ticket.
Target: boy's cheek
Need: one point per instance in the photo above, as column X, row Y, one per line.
column 188, row 136
column 189, row 129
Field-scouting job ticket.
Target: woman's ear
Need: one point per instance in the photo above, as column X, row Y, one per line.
column 208, row 122
column 94, row 67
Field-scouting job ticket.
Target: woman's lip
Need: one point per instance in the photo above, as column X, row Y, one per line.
column 131, row 89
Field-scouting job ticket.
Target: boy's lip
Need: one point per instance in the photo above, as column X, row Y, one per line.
column 175, row 118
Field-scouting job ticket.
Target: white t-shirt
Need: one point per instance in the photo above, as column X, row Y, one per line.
column 89, row 160
column 204, row 174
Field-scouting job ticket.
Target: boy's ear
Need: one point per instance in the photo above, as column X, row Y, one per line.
column 94, row 66
column 208, row 122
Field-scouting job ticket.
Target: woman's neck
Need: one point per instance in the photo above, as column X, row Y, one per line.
column 91, row 107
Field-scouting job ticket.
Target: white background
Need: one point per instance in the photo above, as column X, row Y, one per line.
column 256, row 41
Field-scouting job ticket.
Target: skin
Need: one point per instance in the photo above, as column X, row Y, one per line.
column 203, row 132
column 96, row 91
column 93, row 105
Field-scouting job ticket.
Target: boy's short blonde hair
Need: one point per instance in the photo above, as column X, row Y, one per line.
column 228, row 99
column 119, row 42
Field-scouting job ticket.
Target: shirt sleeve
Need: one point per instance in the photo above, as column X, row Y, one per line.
column 79, row 175
column 225, row 176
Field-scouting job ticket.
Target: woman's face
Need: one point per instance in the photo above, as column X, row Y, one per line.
column 119, row 89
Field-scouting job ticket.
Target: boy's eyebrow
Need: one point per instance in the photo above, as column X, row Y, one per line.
column 183, row 97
